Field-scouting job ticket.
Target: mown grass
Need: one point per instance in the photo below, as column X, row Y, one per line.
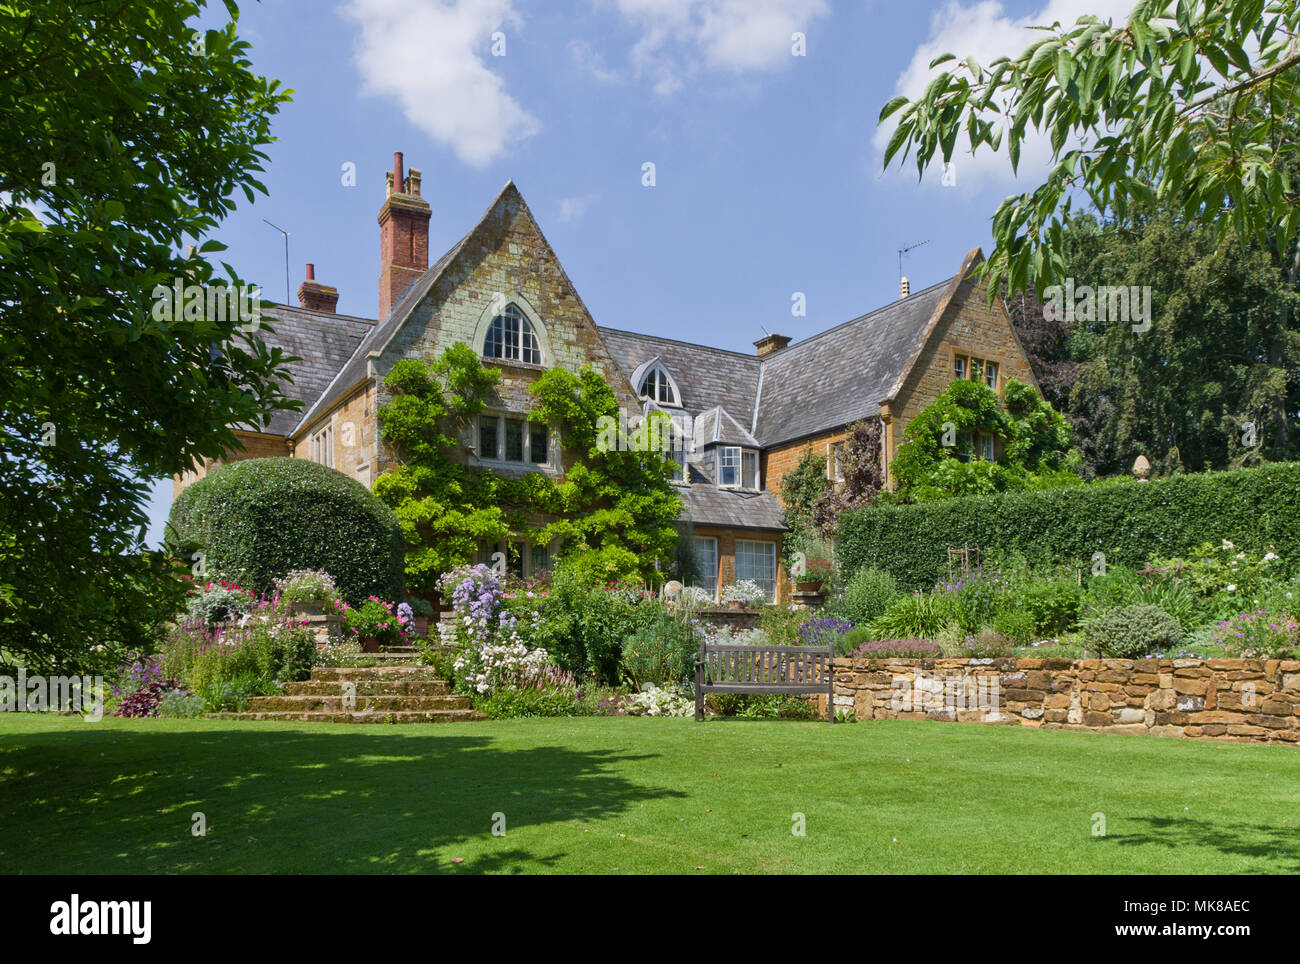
column 626, row 795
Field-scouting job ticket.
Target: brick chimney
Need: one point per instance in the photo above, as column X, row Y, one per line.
column 317, row 297
column 403, row 236
column 770, row 343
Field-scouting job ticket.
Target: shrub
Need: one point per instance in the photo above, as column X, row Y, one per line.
column 1017, row 625
column 745, row 591
column 1260, row 634
column 654, row 700
column 825, row 631
column 897, row 648
column 987, row 644
column 868, row 594
column 375, row 619
column 910, row 616
column 784, row 626
column 1132, row 632
column 306, row 585
column 182, row 705
column 144, row 701
column 257, row 519
column 1129, row 522
column 530, row 701
column 1051, row 605
column 219, row 602
column 661, row 653
column 754, row 706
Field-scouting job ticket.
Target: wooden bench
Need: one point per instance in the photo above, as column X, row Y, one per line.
column 739, row 668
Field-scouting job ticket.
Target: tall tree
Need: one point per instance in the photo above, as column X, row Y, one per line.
column 123, row 136
column 1186, row 104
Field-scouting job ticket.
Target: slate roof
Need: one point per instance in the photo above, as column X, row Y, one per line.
column 708, row 377
column 704, row 504
column 323, row 342
column 843, row 374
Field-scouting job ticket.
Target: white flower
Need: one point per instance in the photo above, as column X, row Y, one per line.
column 1232, row 588
column 1228, row 545
column 1270, row 556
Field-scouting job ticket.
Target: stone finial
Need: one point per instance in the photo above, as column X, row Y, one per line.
column 1142, row 468
column 673, row 588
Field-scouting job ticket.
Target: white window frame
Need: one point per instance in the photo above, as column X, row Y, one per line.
column 663, row 388
column 711, row 583
column 991, row 374
column 499, row 458
column 992, row 447
column 725, row 463
column 320, row 446
column 516, row 345
column 769, row 550
column 834, row 465
column 960, row 367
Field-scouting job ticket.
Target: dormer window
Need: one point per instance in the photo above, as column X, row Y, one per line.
column 737, row 468
column 657, row 386
column 511, row 337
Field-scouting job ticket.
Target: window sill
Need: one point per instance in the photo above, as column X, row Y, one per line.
column 513, row 363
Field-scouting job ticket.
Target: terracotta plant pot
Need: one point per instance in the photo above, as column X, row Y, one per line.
column 736, row 604
column 810, row 585
column 369, row 644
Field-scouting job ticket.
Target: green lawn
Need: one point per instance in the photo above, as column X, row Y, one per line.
column 623, row 795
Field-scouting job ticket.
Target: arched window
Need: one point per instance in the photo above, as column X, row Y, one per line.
column 658, row 387
column 512, row 336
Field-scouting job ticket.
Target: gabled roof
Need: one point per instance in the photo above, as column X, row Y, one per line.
column 323, row 342
column 708, row 377
column 355, row 369
column 843, row 374
column 717, row 426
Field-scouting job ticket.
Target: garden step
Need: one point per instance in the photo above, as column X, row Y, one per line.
column 394, row 673
column 362, row 704
column 401, row 716
column 379, row 687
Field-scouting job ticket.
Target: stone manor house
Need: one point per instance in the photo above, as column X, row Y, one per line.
column 502, row 289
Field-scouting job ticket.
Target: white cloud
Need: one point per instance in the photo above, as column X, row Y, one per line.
column 985, row 31
column 573, row 208
column 431, row 57
column 589, row 59
column 678, row 37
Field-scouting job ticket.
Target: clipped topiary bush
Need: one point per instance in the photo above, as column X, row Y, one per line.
column 1134, row 631
column 258, row 519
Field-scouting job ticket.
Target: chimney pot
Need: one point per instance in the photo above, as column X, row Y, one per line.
column 904, row 288
column 399, row 181
column 770, row 343
column 315, row 296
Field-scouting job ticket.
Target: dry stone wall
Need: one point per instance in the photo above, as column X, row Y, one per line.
column 1246, row 700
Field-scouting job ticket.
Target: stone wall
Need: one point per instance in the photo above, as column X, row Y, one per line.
column 1243, row 700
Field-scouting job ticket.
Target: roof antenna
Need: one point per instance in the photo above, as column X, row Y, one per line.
column 904, row 289
column 286, row 260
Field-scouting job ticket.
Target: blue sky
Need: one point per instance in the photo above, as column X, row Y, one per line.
column 768, row 176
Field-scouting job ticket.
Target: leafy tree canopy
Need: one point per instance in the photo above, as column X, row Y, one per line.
column 1184, row 105
column 124, row 138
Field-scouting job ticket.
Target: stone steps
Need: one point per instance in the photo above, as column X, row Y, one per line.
column 380, row 687
column 398, row 691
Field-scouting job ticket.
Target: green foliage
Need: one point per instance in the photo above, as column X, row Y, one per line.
column 1017, row 626
column 1036, row 444
column 781, row 623
column 1184, row 104
column 801, row 488
column 217, row 603
column 119, row 147
column 257, row 519
column 180, row 705
column 913, row 616
column 1052, row 606
column 756, row 706
column 532, row 702
column 866, row 597
column 1127, row 521
column 1211, row 383
column 614, row 511
column 1134, row 631
column 584, row 624
column 661, row 653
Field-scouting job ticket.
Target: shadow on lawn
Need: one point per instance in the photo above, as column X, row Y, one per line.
column 286, row 801
column 1257, row 842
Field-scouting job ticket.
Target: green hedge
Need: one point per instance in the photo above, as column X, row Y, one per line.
column 257, row 519
column 1129, row 521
